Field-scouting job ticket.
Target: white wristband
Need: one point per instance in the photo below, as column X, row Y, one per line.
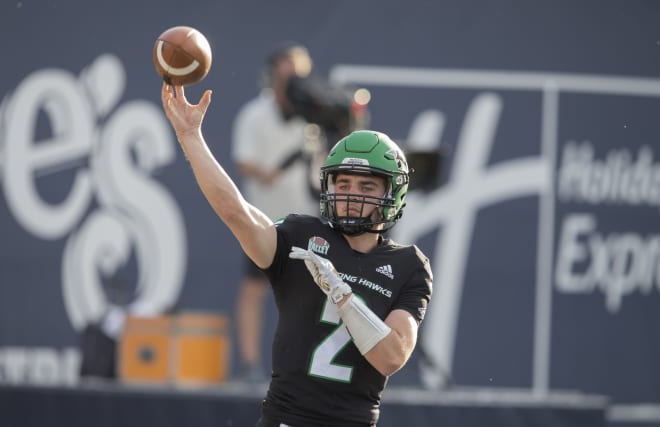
column 338, row 291
column 365, row 327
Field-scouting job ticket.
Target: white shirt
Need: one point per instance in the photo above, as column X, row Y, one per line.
column 262, row 137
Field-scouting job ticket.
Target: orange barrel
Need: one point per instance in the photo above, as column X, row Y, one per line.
column 144, row 349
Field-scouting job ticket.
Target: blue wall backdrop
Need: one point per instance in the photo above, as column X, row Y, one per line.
column 544, row 234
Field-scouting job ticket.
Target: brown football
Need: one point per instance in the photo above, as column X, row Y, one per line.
column 182, row 56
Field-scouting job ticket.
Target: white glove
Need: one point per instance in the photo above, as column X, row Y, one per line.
column 324, row 274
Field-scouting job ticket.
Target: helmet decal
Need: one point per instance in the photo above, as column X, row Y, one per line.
column 354, row 161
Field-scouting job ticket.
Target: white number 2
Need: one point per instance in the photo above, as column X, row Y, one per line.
column 322, row 360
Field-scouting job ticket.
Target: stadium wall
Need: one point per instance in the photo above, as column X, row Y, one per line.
column 542, row 226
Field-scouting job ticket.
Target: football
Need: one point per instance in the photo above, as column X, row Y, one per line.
column 182, row 56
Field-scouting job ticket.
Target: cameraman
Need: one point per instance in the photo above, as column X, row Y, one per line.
column 268, row 140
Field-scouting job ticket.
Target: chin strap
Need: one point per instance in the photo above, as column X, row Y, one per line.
column 365, row 327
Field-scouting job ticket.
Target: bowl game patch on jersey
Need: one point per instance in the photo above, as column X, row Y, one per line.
column 318, row 245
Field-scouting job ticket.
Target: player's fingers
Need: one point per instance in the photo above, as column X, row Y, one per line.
column 205, row 100
column 298, row 253
column 180, row 93
column 317, row 259
column 165, row 92
column 296, row 249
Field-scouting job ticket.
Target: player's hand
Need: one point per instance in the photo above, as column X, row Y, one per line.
column 324, row 274
column 186, row 118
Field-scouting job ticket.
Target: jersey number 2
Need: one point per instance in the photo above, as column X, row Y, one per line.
column 322, row 359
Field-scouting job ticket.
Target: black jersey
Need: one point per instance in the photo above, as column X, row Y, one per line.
column 319, row 378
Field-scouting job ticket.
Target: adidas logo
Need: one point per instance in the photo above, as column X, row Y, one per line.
column 386, row 270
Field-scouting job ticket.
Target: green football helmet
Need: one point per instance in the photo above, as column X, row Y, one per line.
column 372, row 153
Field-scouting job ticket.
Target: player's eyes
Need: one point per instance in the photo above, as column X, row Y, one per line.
column 369, row 188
